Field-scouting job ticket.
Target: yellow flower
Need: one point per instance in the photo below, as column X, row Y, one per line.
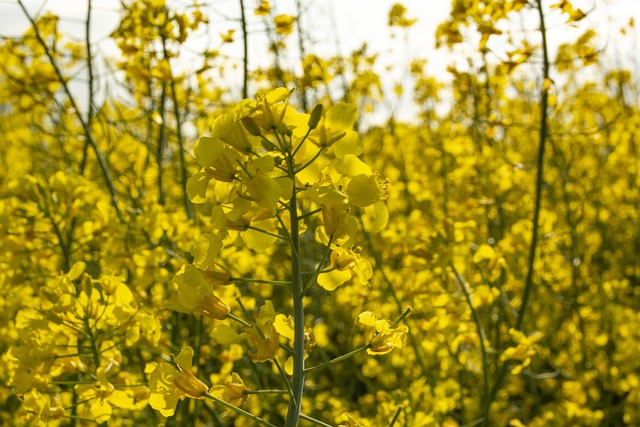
column 263, row 9
column 44, row 406
column 351, row 422
column 524, row 350
column 233, row 390
column 170, row 383
column 264, row 336
column 397, row 16
column 346, row 265
column 227, row 37
column 382, row 337
column 195, row 294
column 284, row 24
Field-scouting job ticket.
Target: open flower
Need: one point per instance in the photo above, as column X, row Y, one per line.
column 233, row 390
column 195, row 294
column 170, row 383
column 264, row 336
column 345, row 265
column 382, row 337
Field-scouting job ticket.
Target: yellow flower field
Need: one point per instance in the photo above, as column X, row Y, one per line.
column 183, row 249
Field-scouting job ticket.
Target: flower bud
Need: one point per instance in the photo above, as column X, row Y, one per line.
column 214, row 307
column 190, row 385
column 219, row 274
column 316, row 115
column 251, row 126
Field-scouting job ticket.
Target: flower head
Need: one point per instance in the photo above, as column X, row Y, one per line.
column 382, row 337
column 170, row 383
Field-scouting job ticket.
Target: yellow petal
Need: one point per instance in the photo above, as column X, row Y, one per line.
column 348, row 144
column 332, row 279
column 208, row 150
column 350, row 165
column 197, row 187
column 341, row 117
column 367, row 318
column 205, row 250
column 284, row 326
column 363, row 190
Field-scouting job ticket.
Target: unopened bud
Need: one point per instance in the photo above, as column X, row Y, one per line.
column 214, row 307
column 190, row 385
column 218, row 274
column 316, row 115
column 251, row 126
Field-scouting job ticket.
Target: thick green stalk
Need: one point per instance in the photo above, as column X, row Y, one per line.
column 298, row 316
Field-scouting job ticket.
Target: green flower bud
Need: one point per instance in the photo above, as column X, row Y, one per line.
column 250, row 126
column 316, row 115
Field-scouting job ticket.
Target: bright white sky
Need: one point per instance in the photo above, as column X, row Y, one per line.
column 340, row 26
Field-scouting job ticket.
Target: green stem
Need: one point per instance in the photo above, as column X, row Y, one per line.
column 481, row 335
column 251, row 227
column 396, row 416
column 313, row 159
column 176, row 112
column 238, row 410
column 102, row 161
column 313, row 212
column 304, row 138
column 293, row 414
column 320, row 264
column 283, row 374
column 542, row 138
column 313, row 420
column 239, row 320
column 338, row 359
column 266, row 392
column 268, row 282
column 245, row 52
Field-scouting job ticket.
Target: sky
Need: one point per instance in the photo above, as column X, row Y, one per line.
column 341, row 26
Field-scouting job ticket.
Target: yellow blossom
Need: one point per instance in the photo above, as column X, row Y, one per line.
column 382, row 337
column 284, row 24
column 170, row 383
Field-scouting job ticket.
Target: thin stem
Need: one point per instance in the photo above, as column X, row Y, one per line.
column 266, row 392
column 316, row 273
column 283, row 374
column 268, row 282
column 373, row 250
column 161, row 144
column 238, row 410
column 313, row 420
column 239, row 320
column 543, row 135
column 87, row 132
column 304, row 138
column 313, row 159
column 482, row 336
column 245, row 52
column 544, row 104
column 308, row 214
column 87, row 30
column 176, row 112
column 250, row 227
column 301, row 52
column 396, row 416
column 338, row 359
